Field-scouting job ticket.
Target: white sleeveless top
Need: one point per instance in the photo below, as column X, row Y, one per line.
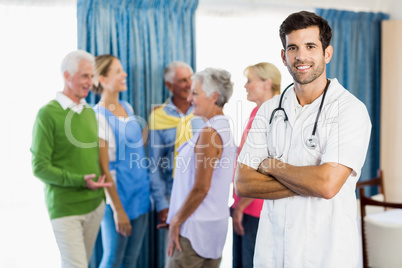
column 206, row 228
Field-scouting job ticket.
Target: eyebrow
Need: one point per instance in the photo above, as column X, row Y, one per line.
column 306, row 44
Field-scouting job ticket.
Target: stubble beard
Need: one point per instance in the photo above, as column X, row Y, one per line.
column 302, row 79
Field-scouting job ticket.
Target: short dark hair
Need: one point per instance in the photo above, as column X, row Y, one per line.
column 302, row 20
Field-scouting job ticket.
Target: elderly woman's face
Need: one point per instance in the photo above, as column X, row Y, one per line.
column 202, row 105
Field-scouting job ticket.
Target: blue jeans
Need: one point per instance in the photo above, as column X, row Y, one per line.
column 120, row 251
column 243, row 246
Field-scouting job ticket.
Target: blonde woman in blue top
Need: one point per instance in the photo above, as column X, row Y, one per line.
column 121, row 151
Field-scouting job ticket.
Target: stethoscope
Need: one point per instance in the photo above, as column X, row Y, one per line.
column 311, row 142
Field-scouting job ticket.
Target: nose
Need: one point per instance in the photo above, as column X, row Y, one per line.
column 189, row 82
column 90, row 81
column 301, row 54
column 190, row 97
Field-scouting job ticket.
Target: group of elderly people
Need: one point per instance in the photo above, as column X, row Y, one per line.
column 204, row 163
column 309, row 184
column 198, row 212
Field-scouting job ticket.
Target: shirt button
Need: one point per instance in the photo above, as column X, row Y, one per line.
column 289, row 226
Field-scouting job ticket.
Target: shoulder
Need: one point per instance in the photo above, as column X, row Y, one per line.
column 160, row 107
column 221, row 125
column 346, row 100
column 209, row 138
column 51, row 106
column 271, row 104
column 49, row 116
column 127, row 105
column 89, row 111
column 156, row 107
column 156, row 112
column 347, row 105
column 99, row 110
column 218, row 122
column 49, row 110
column 262, row 117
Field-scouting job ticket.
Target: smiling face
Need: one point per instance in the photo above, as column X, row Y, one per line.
column 202, row 105
column 77, row 85
column 181, row 85
column 304, row 55
column 115, row 79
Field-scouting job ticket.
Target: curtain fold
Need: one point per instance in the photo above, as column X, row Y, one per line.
column 145, row 35
column 356, row 63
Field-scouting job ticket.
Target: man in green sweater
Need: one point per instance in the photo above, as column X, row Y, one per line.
column 65, row 156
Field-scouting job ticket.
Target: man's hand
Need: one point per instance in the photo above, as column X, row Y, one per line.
column 95, row 185
column 162, row 217
column 237, row 218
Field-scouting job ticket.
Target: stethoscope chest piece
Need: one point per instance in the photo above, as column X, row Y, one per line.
column 312, row 142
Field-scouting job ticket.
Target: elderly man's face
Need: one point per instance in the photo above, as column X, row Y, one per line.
column 79, row 84
column 181, row 85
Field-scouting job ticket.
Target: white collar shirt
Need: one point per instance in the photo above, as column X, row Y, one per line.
column 65, row 102
column 304, row 231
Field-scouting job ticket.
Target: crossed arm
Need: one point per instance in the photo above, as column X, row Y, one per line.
column 275, row 180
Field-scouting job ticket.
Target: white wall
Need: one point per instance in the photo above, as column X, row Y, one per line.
column 392, row 7
column 34, row 41
column 26, row 86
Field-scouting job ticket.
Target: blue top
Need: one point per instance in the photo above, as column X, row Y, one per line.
column 132, row 181
column 161, row 153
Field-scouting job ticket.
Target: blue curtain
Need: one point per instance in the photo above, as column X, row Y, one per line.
column 145, row 35
column 356, row 63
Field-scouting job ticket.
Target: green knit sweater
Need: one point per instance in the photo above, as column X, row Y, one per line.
column 64, row 149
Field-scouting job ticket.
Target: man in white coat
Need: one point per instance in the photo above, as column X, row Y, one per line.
column 304, row 155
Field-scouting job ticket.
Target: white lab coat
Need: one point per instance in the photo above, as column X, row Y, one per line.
column 305, row 231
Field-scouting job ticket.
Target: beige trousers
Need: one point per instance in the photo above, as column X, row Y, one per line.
column 188, row 258
column 76, row 236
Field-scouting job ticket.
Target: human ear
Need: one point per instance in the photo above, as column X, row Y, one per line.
column 214, row 97
column 283, row 56
column 268, row 84
column 66, row 75
column 102, row 79
column 169, row 86
column 328, row 53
